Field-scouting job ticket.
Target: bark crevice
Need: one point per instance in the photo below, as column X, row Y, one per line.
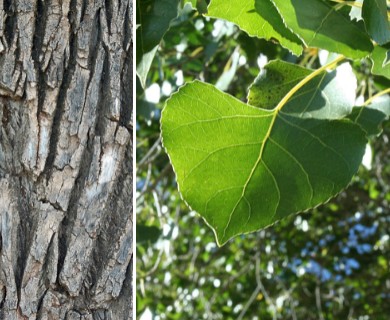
column 39, row 33
column 69, row 70
column 65, row 159
column 10, row 21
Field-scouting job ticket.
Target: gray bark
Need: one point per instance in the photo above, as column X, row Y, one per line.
column 65, row 159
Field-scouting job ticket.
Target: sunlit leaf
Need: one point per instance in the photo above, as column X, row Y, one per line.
column 381, row 61
column 243, row 168
column 257, row 18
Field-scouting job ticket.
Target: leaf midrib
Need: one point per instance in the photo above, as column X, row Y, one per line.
column 278, row 108
column 259, row 158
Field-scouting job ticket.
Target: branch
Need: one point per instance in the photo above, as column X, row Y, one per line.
column 145, row 160
column 318, row 302
column 259, row 288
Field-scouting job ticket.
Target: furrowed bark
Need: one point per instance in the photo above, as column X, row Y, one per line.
column 65, row 159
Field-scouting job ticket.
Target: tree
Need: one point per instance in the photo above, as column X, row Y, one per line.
column 65, row 159
column 328, row 263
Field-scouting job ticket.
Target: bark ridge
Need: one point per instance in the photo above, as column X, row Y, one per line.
column 66, row 159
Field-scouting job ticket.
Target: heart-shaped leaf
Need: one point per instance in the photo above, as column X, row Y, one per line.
column 243, row 168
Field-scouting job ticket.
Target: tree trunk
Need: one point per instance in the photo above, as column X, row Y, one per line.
column 65, row 159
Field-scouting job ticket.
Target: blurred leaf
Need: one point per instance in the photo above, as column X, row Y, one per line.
column 229, row 157
column 381, row 83
column 374, row 13
column 318, row 24
column 153, row 19
column 147, row 234
column 257, row 18
column 201, row 6
column 252, row 46
column 144, row 61
column 145, row 109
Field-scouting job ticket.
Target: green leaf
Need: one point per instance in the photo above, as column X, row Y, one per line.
column 201, row 6
column 279, row 77
column 243, row 168
column 274, row 82
column 147, row 234
column 318, row 24
column 371, row 117
column 374, row 13
column 257, row 18
column 381, row 61
column 153, row 19
column 144, row 62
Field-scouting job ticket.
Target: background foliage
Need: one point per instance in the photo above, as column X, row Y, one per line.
column 329, row 263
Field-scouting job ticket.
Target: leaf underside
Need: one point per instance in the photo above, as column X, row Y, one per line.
column 242, row 168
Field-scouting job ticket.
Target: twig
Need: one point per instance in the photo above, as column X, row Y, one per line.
column 147, row 179
column 350, row 313
column 242, row 271
column 163, row 173
column 155, row 266
column 318, row 302
column 250, row 301
column 259, row 288
column 145, row 159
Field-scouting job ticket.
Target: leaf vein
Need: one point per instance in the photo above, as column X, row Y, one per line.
column 299, row 164
column 318, row 139
column 215, row 151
